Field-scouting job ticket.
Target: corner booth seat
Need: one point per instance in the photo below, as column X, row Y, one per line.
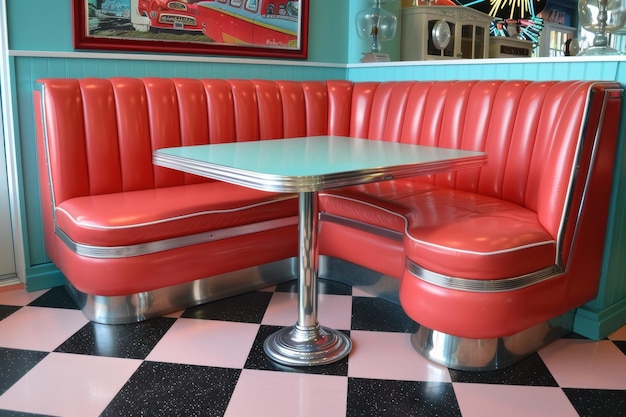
column 490, row 262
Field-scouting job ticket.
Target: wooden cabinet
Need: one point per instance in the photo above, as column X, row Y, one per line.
column 422, row 34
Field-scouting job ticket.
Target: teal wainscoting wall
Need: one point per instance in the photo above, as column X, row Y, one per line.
column 333, row 54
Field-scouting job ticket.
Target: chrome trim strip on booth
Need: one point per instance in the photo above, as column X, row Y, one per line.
column 480, row 285
column 137, row 307
column 566, row 213
column 105, row 252
column 364, row 227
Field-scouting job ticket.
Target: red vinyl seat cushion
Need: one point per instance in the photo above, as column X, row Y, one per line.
column 468, row 235
column 450, row 232
column 135, row 217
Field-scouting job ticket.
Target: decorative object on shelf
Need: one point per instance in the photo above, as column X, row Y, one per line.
column 506, row 9
column 522, row 13
column 509, row 47
column 376, row 25
column 574, row 46
column 601, row 17
column 530, row 29
column 443, row 32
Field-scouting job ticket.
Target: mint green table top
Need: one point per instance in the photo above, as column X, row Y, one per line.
column 313, row 163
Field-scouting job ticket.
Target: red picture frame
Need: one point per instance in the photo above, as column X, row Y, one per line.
column 254, row 28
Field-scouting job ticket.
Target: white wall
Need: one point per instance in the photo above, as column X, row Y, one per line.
column 9, row 226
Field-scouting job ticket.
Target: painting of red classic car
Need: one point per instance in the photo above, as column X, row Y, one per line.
column 170, row 14
column 267, row 23
column 268, row 28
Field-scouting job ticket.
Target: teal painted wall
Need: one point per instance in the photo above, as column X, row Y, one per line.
column 333, row 50
column 50, row 28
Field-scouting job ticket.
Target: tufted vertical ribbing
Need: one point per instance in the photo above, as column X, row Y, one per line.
column 117, row 123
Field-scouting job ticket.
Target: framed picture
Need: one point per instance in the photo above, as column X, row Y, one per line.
column 257, row 28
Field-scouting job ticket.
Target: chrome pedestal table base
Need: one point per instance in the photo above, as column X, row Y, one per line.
column 307, row 343
column 307, row 346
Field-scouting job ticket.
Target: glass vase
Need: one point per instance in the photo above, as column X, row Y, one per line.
column 601, row 17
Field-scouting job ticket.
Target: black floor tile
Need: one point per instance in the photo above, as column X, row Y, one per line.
column 530, row 371
column 167, row 389
column 57, row 297
column 597, row 403
column 375, row 314
column 6, row 311
column 622, row 346
column 15, row 363
column 130, row 341
column 10, row 413
column 257, row 359
column 245, row 308
column 382, row 398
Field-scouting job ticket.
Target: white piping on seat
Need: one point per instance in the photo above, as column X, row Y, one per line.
column 465, row 251
column 186, row 216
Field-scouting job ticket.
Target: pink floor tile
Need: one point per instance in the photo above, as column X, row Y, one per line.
column 360, row 293
column 18, row 297
column 69, row 385
column 382, row 355
column 175, row 314
column 206, row 342
column 334, row 311
column 36, row 328
column 280, row 394
column 268, row 289
column 577, row 363
column 488, row 400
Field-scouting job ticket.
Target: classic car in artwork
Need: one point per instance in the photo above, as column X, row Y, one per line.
column 267, row 23
column 116, row 8
column 170, row 14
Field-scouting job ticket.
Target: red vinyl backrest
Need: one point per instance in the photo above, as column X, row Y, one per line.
column 101, row 133
column 530, row 130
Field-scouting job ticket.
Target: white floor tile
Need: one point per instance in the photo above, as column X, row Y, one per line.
column 334, row 311
column 488, row 400
column 37, row 328
column 580, row 363
column 281, row 394
column 360, row 293
column 69, row 385
column 206, row 342
column 382, row 355
column 19, row 297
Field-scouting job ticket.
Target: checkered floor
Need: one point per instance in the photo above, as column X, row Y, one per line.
column 209, row 361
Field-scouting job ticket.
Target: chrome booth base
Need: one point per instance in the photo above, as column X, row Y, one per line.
column 133, row 308
column 447, row 350
column 488, row 354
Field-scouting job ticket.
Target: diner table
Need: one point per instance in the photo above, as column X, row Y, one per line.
column 306, row 166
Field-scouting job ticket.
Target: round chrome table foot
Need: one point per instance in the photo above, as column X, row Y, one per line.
column 307, row 346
